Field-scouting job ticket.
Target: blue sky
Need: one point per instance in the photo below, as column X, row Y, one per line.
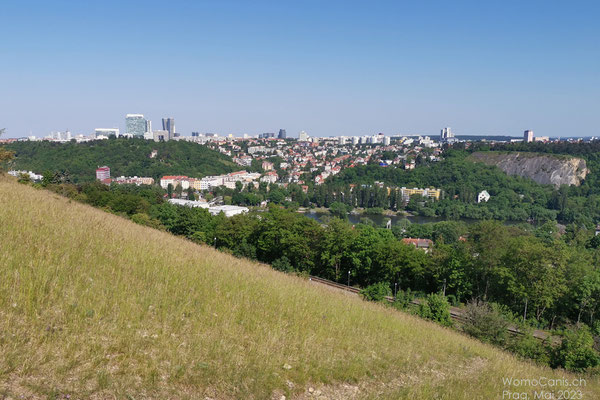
column 327, row 67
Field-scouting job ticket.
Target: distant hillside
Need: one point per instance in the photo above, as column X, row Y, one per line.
column 129, row 157
column 550, row 169
column 94, row 306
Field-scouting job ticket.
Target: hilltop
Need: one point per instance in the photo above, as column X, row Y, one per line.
column 95, row 306
column 128, row 157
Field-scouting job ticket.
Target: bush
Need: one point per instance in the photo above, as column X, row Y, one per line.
column 485, row 323
column 436, row 308
column 526, row 346
column 403, row 299
column 376, row 292
column 374, row 211
column 283, row 264
column 576, row 352
column 24, row 178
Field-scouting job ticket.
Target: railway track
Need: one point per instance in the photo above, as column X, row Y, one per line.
column 456, row 313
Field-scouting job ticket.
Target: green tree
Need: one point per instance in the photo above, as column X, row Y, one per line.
column 534, row 273
column 338, row 209
column 190, row 194
column 335, row 246
column 452, row 269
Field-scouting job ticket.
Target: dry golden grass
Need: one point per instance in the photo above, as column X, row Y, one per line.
column 94, row 306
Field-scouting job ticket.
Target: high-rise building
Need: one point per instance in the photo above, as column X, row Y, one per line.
column 282, row 134
column 103, row 173
column 303, row 136
column 446, row 134
column 136, row 125
column 386, row 141
column 168, row 124
column 528, row 136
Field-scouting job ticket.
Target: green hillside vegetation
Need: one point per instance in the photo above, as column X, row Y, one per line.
column 513, row 198
column 577, row 203
column 94, row 306
column 128, row 157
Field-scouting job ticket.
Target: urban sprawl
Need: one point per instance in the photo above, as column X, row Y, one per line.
column 317, row 157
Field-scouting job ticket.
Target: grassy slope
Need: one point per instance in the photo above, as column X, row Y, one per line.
column 95, row 306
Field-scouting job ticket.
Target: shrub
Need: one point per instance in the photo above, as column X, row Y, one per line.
column 527, row 346
column 403, row 299
column 485, row 323
column 436, row 308
column 576, row 352
column 24, row 178
column 376, row 292
column 283, row 264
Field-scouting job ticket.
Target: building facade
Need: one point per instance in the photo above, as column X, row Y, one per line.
column 160, row 136
column 136, row 125
column 175, row 180
column 106, row 132
column 168, row 124
column 103, row 173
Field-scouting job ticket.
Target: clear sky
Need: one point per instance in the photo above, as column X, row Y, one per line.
column 327, row 67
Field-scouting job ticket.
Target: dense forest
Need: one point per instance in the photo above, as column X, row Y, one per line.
column 128, row 157
column 534, row 277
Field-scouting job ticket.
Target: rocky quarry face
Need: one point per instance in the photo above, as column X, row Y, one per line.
column 542, row 168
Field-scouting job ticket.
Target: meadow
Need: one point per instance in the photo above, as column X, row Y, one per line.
column 95, row 306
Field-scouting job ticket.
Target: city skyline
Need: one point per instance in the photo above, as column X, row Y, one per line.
column 343, row 68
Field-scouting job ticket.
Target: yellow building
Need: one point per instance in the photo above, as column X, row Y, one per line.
column 432, row 193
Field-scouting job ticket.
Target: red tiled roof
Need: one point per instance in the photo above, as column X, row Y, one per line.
column 418, row 242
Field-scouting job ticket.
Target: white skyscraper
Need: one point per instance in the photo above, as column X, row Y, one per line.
column 303, row 136
column 528, row 136
column 446, row 134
